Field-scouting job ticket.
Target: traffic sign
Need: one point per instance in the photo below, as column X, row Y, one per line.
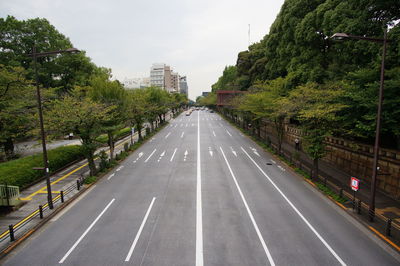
column 354, row 183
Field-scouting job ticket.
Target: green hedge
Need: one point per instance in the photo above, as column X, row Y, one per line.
column 20, row 173
column 120, row 134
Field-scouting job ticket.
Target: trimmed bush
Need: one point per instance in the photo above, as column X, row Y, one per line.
column 20, row 173
column 120, row 134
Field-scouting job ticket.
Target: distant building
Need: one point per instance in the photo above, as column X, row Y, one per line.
column 162, row 76
column 205, row 93
column 136, row 83
column 157, row 75
column 183, row 87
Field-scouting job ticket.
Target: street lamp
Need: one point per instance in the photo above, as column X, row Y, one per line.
column 35, row 55
column 344, row 36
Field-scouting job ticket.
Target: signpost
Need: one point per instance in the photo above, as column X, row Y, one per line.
column 355, row 186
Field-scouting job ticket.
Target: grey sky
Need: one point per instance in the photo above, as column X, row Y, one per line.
column 197, row 38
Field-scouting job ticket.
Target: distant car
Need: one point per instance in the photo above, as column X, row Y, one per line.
column 211, row 111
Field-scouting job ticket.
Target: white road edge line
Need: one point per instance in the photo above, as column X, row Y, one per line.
column 128, row 257
column 229, row 133
column 271, row 261
column 199, row 211
column 85, row 233
column 172, row 157
column 297, row 211
column 113, row 174
column 150, row 155
column 168, row 135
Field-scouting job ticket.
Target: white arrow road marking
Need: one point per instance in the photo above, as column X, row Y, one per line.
column 183, row 133
column 172, row 157
column 280, row 167
column 255, row 151
column 119, row 168
column 229, row 133
column 128, row 257
column 214, row 133
column 234, row 152
column 113, row 174
column 161, row 155
column 210, row 151
column 150, row 155
column 184, row 158
column 139, row 156
column 86, row 232
column 168, row 135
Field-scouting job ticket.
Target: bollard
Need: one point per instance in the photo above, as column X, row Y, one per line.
column 78, row 184
column 41, row 211
column 359, row 207
column 11, row 229
column 62, row 196
column 388, row 227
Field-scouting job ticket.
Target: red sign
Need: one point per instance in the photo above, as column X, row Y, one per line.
column 354, row 183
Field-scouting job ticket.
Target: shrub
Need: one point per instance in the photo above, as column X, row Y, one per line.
column 20, row 173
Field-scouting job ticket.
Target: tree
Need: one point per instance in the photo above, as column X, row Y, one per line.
column 317, row 107
column 17, row 105
column 84, row 117
column 137, row 109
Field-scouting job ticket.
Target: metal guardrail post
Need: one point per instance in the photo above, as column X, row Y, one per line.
column 41, row 211
column 359, row 207
column 371, row 215
column 388, row 227
column 62, row 196
column 78, row 184
column 11, row 229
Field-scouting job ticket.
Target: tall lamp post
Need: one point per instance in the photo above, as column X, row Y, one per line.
column 35, row 55
column 344, row 36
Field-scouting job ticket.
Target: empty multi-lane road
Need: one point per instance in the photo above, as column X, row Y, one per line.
column 201, row 193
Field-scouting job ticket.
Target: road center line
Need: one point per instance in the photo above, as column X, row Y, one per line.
column 271, row 261
column 110, row 176
column 297, row 211
column 150, row 155
column 85, row 233
column 199, row 212
column 128, row 257
column 172, row 157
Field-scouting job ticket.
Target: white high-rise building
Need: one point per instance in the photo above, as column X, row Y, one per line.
column 157, row 75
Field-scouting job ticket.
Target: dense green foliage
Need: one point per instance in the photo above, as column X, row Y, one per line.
column 20, row 173
column 298, row 50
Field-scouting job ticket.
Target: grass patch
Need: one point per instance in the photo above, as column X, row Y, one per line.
column 330, row 192
column 90, row 179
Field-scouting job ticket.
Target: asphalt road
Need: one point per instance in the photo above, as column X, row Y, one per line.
column 201, row 193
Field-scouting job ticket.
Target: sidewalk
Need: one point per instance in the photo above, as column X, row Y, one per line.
column 37, row 194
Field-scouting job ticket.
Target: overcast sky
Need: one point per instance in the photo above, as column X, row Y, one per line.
column 196, row 38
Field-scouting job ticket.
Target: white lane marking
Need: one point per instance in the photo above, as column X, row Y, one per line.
column 273, row 161
column 255, row 151
column 128, row 257
column 185, row 155
column 210, row 151
column 182, row 134
column 85, row 233
column 297, row 211
column 234, row 152
column 176, row 125
column 119, row 168
column 161, row 155
column 271, row 261
column 139, row 156
column 113, row 174
column 280, row 167
column 168, row 135
column 172, row 157
column 186, row 125
column 199, row 211
column 150, row 155
column 229, row 133
column 214, row 134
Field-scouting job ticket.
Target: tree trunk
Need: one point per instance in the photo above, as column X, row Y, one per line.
column 111, row 144
column 92, row 165
column 9, row 148
column 139, row 129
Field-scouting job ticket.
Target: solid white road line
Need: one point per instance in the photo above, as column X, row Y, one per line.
column 271, row 261
column 168, row 135
column 172, row 157
column 214, row 134
column 119, row 168
column 297, row 211
column 229, row 133
column 150, row 155
column 111, row 176
column 182, row 134
column 128, row 257
column 85, row 233
column 199, row 211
